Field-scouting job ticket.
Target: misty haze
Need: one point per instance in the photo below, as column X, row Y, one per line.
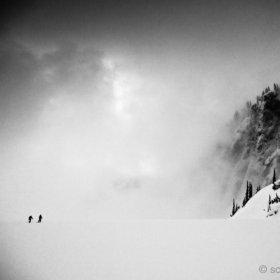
column 117, row 111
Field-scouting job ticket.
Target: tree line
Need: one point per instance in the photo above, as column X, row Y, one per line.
column 249, row 194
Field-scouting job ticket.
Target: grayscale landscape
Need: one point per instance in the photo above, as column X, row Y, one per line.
column 139, row 139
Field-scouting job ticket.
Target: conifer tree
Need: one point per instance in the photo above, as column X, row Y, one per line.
column 250, row 190
column 233, row 208
column 274, row 177
column 269, row 202
column 248, row 194
column 245, row 200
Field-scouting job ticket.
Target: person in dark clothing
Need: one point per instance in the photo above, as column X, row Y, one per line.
column 40, row 219
column 30, row 218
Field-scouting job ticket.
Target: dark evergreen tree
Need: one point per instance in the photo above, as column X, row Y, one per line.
column 235, row 208
column 250, row 190
column 258, row 189
column 269, row 202
column 274, row 177
column 245, row 200
column 248, row 194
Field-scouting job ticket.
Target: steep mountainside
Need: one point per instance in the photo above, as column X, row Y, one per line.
column 254, row 150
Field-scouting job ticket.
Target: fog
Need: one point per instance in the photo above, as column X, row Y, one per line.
column 110, row 111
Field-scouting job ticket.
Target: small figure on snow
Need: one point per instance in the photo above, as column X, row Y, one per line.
column 30, row 218
column 40, row 219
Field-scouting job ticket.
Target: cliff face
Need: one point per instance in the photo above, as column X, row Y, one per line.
column 254, row 150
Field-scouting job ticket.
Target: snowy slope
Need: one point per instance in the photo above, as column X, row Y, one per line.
column 139, row 250
column 257, row 207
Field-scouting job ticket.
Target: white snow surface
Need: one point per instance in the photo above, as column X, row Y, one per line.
column 229, row 249
column 140, row 250
column 257, row 206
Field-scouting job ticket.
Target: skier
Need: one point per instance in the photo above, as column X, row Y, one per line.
column 40, row 218
column 30, row 218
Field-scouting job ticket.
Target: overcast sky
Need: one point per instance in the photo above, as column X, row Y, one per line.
column 107, row 107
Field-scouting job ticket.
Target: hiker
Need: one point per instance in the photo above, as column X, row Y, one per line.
column 40, row 218
column 30, row 218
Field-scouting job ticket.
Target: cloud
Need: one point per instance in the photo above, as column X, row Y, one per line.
column 105, row 103
column 30, row 78
column 17, row 84
column 97, row 125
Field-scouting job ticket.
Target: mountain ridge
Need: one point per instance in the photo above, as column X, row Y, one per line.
column 253, row 152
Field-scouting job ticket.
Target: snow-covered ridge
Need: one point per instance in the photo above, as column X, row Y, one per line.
column 264, row 204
